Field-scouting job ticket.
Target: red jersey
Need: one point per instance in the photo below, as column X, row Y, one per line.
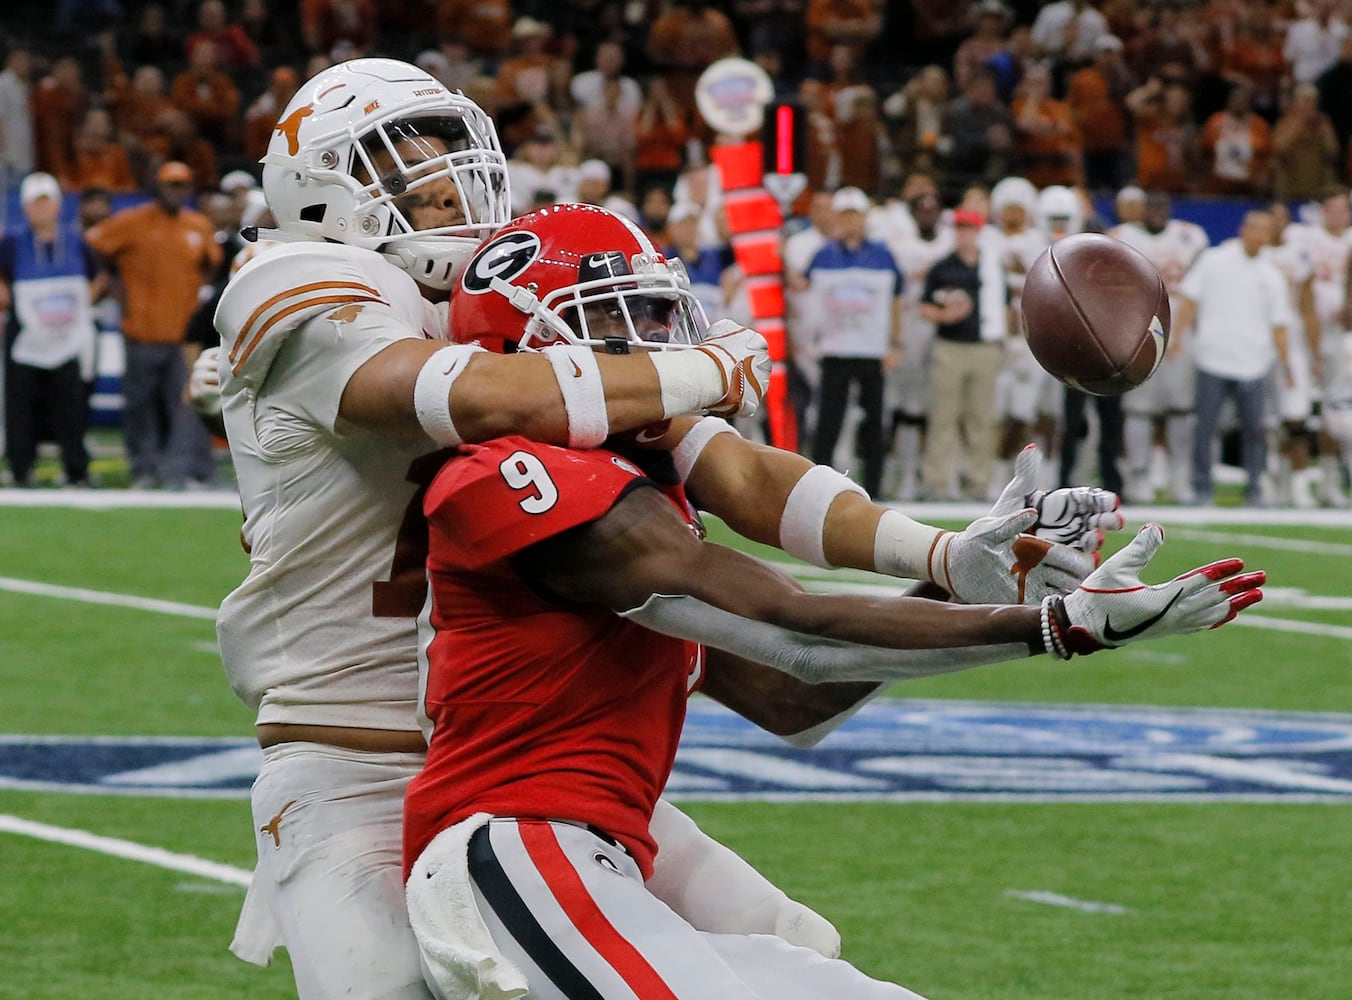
column 539, row 708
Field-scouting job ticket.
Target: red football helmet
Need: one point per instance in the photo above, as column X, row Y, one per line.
column 575, row 274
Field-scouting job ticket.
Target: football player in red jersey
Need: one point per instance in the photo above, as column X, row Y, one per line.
column 574, row 606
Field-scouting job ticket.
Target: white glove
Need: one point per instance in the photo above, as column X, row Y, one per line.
column 1113, row 607
column 1031, row 545
column 204, row 383
column 744, row 358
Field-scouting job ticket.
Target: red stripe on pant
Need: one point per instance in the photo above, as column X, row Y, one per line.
column 572, row 895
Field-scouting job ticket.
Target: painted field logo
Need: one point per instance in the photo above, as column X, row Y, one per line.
column 892, row 751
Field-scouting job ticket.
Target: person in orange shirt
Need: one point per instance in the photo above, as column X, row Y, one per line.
column 1046, row 139
column 1097, row 98
column 164, row 252
column 266, row 109
column 99, row 159
column 59, row 102
column 206, row 94
column 1236, row 144
column 684, row 40
column 853, row 23
column 485, row 26
column 1165, row 135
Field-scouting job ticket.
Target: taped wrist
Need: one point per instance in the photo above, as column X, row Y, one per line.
column 584, row 397
column 691, row 381
column 903, row 547
column 802, row 526
column 432, row 391
column 688, row 451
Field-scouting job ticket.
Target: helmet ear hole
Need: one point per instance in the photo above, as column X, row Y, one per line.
column 313, row 213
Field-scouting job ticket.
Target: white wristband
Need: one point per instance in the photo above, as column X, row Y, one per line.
column 803, row 524
column 688, row 451
column 432, row 391
column 691, row 381
column 901, row 546
column 584, row 398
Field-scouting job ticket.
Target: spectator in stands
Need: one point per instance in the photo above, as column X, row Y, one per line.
column 1305, row 149
column 47, row 274
column 59, row 103
column 1065, row 31
column 1172, row 43
column 207, row 95
column 1166, row 135
column 588, row 88
column 137, row 104
column 593, row 182
column 538, row 174
column 326, row 23
column 860, row 138
column 483, row 26
column 164, row 252
column 266, row 109
column 273, row 32
column 654, row 210
column 16, row 118
column 99, row 160
column 977, row 145
column 1241, row 305
column 1097, row 98
column 175, row 138
column 1236, row 148
column 606, row 131
column 1334, row 84
column 985, row 43
column 235, row 51
column 154, row 42
column 965, row 296
column 851, row 23
column 915, row 119
column 706, row 265
column 532, row 73
column 685, row 39
column 1046, row 139
column 659, row 138
column 856, row 283
column 1254, row 57
column 1314, row 43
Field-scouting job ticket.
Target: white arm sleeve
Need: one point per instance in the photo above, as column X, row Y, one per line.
column 716, row 891
column 811, row 658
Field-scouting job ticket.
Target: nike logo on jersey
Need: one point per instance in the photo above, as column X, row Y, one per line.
column 1113, row 635
column 274, row 825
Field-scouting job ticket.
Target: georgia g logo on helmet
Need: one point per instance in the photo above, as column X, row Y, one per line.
column 504, row 257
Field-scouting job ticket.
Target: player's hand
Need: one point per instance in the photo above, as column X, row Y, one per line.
column 744, row 358
column 1077, row 516
column 204, row 383
column 1113, row 607
column 806, row 928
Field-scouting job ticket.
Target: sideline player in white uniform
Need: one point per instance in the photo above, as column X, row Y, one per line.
column 907, row 396
column 1294, row 396
column 554, row 696
column 1167, row 397
column 1027, row 401
column 334, row 384
column 1328, row 242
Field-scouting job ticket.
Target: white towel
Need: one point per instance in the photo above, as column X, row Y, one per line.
column 457, row 948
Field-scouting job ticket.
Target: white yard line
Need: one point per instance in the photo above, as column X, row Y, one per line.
column 1056, row 899
column 104, row 597
column 114, row 847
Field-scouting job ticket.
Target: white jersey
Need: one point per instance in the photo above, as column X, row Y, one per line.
column 915, row 255
column 1328, row 259
column 323, row 501
column 1017, row 253
column 1172, row 250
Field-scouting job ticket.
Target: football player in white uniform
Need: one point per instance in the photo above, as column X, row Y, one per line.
column 907, row 385
column 1167, row 396
column 1027, row 399
column 335, row 382
column 1294, row 391
column 1328, row 242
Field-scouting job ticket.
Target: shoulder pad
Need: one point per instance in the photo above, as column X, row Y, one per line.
column 286, row 285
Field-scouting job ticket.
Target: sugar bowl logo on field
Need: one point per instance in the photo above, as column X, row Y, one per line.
column 892, row 751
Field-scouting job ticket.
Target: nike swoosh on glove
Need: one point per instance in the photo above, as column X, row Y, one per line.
column 1113, row 607
column 744, row 358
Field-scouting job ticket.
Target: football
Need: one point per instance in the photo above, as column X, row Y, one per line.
column 1096, row 314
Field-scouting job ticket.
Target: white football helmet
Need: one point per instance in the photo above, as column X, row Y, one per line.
column 1013, row 191
column 357, row 144
column 1059, row 211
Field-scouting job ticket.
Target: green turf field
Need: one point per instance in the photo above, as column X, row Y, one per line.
column 1190, row 900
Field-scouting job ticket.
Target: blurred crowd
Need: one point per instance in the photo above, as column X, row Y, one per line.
column 926, row 120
